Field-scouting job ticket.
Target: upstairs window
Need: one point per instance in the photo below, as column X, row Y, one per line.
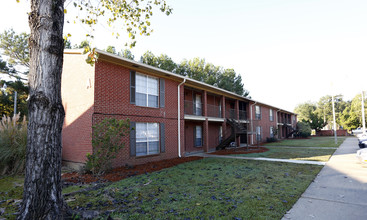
column 257, row 112
column 147, row 91
column 271, row 118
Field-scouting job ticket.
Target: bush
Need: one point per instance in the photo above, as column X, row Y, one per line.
column 106, row 142
column 13, row 142
column 304, row 129
column 271, row 139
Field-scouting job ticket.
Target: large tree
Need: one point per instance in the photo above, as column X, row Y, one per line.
column 200, row 70
column 15, row 47
column 42, row 198
column 352, row 114
column 305, row 110
column 325, row 109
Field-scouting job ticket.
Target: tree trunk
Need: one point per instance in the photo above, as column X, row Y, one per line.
column 42, row 198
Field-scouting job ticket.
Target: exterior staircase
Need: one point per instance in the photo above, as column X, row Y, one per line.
column 236, row 130
column 293, row 131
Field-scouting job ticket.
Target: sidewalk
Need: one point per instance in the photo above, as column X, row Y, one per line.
column 338, row 192
column 263, row 159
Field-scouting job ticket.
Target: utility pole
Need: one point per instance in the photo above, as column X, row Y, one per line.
column 363, row 116
column 15, row 103
column 335, row 136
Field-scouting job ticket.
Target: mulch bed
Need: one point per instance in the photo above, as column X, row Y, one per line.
column 126, row 171
column 241, row 150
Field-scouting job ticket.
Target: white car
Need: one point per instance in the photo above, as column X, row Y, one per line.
column 362, row 156
column 357, row 131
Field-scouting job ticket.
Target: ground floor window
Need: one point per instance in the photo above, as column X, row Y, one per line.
column 198, row 136
column 147, row 138
column 258, row 133
column 271, row 132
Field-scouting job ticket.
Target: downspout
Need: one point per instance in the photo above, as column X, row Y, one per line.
column 252, row 124
column 179, row 117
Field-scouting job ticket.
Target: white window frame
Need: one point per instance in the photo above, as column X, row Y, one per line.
column 258, row 133
column 146, row 92
column 271, row 115
column 149, row 138
column 271, row 132
column 198, row 105
column 257, row 112
column 196, row 134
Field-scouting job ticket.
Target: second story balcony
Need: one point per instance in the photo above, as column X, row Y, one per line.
column 192, row 108
column 231, row 113
column 214, row 111
column 242, row 115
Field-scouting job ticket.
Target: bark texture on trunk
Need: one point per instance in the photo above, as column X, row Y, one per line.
column 42, row 198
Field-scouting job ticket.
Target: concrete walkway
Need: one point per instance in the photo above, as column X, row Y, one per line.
column 263, row 159
column 338, row 192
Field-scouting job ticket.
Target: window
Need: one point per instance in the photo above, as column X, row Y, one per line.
column 146, row 91
column 258, row 133
column 198, row 136
column 271, row 132
column 147, row 138
column 220, row 134
column 257, row 112
column 197, row 106
column 271, row 115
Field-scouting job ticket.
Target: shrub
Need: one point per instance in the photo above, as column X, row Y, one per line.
column 106, row 142
column 13, row 142
column 271, row 139
column 304, row 129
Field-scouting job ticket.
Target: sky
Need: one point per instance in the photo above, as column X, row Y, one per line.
column 287, row 51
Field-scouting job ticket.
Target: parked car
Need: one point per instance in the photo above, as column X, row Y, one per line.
column 362, row 143
column 362, row 156
column 357, row 131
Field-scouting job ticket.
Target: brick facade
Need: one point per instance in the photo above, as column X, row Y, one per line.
column 91, row 94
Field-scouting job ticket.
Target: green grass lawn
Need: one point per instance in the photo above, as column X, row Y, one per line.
column 210, row 188
column 312, row 142
column 11, row 193
column 295, row 153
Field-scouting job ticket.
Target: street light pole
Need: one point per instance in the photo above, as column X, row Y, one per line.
column 335, row 135
column 15, row 103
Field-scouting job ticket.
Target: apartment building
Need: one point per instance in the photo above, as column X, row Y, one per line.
column 170, row 115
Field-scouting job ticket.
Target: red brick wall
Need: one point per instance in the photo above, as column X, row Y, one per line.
column 112, row 99
column 213, row 128
column 77, row 91
column 189, row 136
column 331, row 133
column 264, row 123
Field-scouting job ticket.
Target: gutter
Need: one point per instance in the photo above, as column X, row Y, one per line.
column 252, row 124
column 179, row 116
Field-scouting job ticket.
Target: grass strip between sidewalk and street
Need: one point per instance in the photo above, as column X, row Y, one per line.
column 295, row 153
column 309, row 142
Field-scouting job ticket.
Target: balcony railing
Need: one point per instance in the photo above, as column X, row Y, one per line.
column 214, row 111
column 231, row 113
column 285, row 121
column 192, row 108
column 242, row 115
